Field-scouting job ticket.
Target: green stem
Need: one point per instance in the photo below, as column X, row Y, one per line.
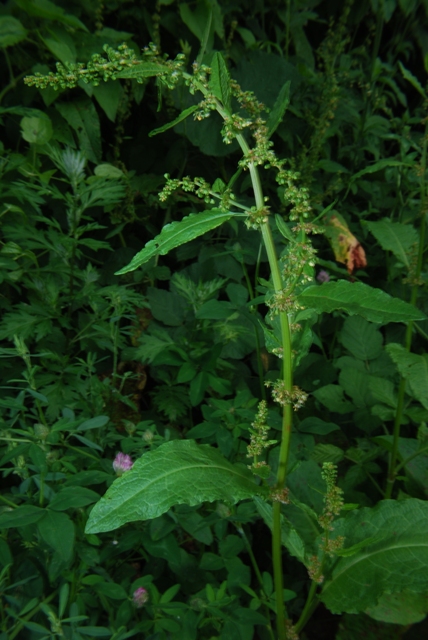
column 310, row 606
column 9, row 502
column 392, row 470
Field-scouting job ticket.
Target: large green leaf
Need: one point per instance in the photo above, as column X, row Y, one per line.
column 178, row 472
column 395, row 237
column 394, row 560
column 358, row 298
column 362, row 339
column 414, row 368
column 177, row 233
column 11, row 31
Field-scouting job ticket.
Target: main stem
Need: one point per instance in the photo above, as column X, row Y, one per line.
column 288, row 383
column 287, row 377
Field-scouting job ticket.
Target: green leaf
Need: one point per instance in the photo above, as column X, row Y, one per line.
column 178, row 472
column 331, row 396
column 108, row 95
column 73, row 498
column 358, row 298
column 51, row 11
column 397, row 562
column 407, row 75
column 111, row 590
column 318, row 426
column 107, row 170
column 361, row 338
column 57, row 530
column 326, row 453
column 177, row 233
column 11, row 31
column 36, row 130
column 279, row 108
column 414, row 369
column 21, row 516
column 289, row 536
column 220, row 80
column 183, row 115
column 377, row 166
column 395, row 237
column 81, row 115
column 404, row 608
column 93, row 423
column 143, row 70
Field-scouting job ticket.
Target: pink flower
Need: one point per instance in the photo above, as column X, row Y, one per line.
column 140, row 597
column 122, row 463
column 323, row 276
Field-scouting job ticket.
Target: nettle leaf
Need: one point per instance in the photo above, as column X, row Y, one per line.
column 143, row 70
column 177, row 233
column 395, row 237
column 361, row 338
column 396, row 563
column 183, row 115
column 279, row 109
column 358, row 298
column 220, row 79
column 11, row 31
column 414, row 368
column 178, row 472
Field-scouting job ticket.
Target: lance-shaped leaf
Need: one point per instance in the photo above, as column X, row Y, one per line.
column 142, row 70
column 177, row 233
column 396, row 237
column 279, row 109
column 358, row 298
column 396, row 562
column 220, row 79
column 178, row 472
column 183, row 115
column 414, row 368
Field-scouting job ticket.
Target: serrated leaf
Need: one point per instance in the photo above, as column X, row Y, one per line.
column 395, row 237
column 177, row 233
column 183, row 115
column 220, row 79
column 361, row 338
column 331, row 396
column 142, row 70
column 279, row 109
column 178, row 472
column 398, row 561
column 414, row 369
column 11, row 31
column 407, row 75
column 326, row 453
column 377, row 166
column 359, row 298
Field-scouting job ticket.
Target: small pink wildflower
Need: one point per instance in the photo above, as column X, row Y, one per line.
column 140, row 597
column 122, row 463
column 323, row 276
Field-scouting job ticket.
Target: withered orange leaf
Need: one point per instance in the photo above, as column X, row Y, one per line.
column 347, row 249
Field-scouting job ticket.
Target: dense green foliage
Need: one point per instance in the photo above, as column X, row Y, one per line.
column 207, row 210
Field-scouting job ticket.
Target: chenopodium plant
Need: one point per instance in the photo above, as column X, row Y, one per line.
column 363, row 560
